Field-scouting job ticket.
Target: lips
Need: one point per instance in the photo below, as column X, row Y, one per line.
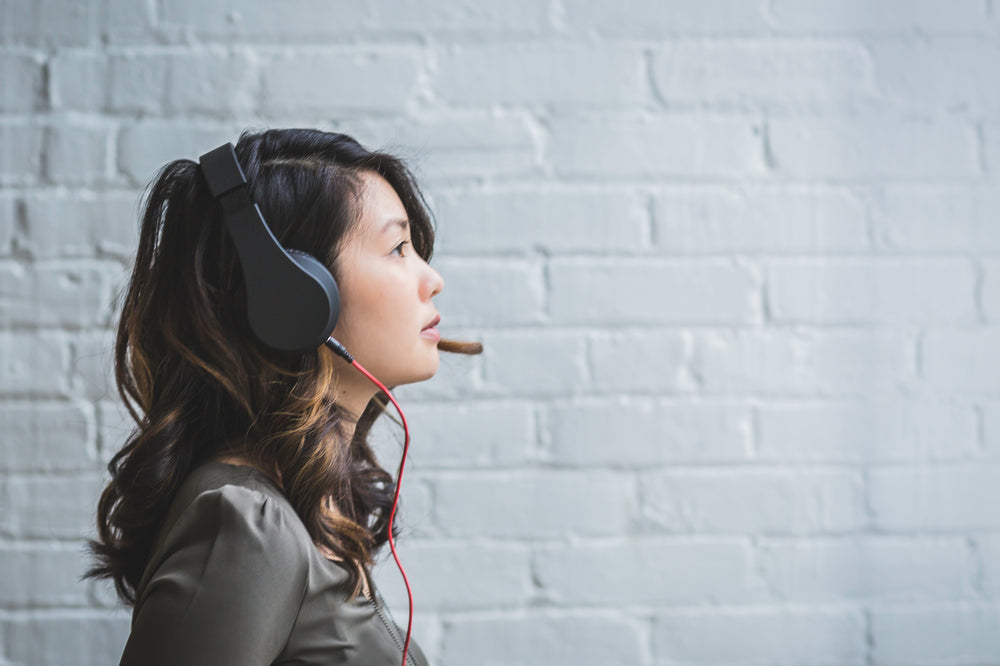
column 434, row 322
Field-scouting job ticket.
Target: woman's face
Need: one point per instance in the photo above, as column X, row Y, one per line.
column 385, row 292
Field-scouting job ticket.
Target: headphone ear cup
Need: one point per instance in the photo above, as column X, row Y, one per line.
column 293, row 307
column 319, row 272
column 292, row 300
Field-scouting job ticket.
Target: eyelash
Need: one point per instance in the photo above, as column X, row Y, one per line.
column 400, row 246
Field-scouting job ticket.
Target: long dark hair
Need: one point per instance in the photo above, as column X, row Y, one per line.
column 202, row 385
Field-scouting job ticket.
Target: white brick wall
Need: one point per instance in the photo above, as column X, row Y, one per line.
column 736, row 265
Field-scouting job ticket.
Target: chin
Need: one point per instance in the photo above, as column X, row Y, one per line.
column 430, row 372
column 423, row 375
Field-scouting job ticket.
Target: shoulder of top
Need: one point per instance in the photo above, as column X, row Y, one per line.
column 253, row 529
column 238, row 500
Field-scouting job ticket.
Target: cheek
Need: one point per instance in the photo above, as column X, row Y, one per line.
column 368, row 302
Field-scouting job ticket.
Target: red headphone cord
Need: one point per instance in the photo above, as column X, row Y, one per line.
column 343, row 353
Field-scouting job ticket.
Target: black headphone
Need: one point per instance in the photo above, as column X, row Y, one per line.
column 292, row 299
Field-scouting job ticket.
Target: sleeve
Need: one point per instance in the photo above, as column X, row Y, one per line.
column 228, row 589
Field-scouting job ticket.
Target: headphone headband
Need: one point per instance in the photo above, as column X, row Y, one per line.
column 292, row 299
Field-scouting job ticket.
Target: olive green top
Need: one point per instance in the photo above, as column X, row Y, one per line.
column 234, row 578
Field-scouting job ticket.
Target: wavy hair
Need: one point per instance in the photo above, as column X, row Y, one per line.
column 203, row 386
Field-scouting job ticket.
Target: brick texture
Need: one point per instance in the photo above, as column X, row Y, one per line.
column 736, row 268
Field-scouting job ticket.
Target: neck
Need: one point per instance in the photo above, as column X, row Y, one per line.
column 354, row 392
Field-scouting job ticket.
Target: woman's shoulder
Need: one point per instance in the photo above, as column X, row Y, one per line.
column 223, row 494
column 233, row 509
column 215, row 474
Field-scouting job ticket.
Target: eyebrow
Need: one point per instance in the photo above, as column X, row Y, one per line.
column 401, row 222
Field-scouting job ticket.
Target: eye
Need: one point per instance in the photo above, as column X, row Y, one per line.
column 400, row 247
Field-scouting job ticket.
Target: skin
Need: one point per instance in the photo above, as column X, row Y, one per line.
column 385, row 293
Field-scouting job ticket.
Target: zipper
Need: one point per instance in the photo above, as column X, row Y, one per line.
column 395, row 638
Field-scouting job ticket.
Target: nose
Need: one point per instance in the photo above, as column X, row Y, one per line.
column 435, row 281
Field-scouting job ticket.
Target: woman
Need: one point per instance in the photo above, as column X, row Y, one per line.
column 246, row 508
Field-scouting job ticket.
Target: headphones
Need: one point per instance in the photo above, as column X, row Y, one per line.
column 292, row 299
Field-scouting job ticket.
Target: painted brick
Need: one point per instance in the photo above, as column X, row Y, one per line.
column 660, row 570
column 534, row 363
column 144, row 148
column 651, row 20
column 459, row 146
column 559, row 503
column 53, row 295
column 760, row 635
column 297, row 20
column 989, row 411
column 78, row 81
column 952, row 633
column 85, row 225
column 83, row 637
column 339, row 80
column 47, row 575
column 488, row 292
column 945, row 499
column 449, row 576
column 653, row 292
column 46, row 507
column 214, row 82
column 804, row 362
column 47, row 437
column 685, row 146
column 77, row 154
column 947, row 75
column 884, row 17
column 937, row 218
column 523, row 220
column 989, row 294
column 639, row 432
column 868, row 431
column 114, row 425
column 91, row 370
column 991, row 146
column 640, row 361
column 759, row 220
column 872, row 148
column 603, row 639
column 133, row 21
column 8, row 223
column 460, row 17
column 867, row 567
column 987, row 548
column 49, row 23
column 575, row 76
column 21, row 158
column 764, row 74
column 485, row 434
column 759, row 501
column 137, row 83
column 865, row 291
column 34, row 363
column 22, row 81
column 962, row 360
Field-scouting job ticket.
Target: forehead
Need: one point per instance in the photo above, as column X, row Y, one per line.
column 381, row 207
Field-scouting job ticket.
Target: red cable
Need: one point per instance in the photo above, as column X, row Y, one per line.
column 341, row 351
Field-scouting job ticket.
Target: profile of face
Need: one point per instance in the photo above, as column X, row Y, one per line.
column 385, row 292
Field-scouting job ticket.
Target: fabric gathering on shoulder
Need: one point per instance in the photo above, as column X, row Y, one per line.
column 235, row 579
